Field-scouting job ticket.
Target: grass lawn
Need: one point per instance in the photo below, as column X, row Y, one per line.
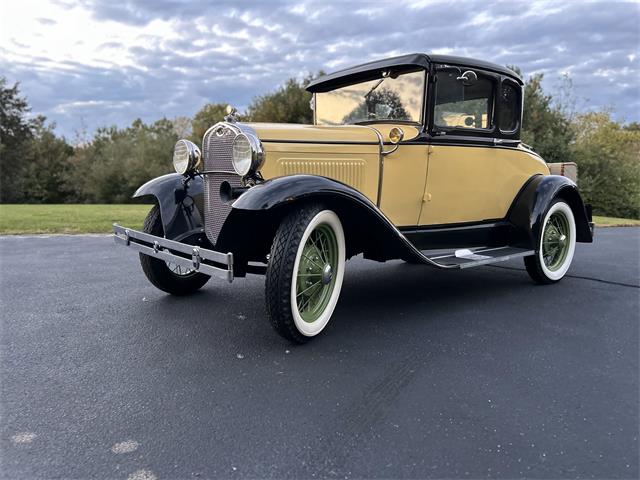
column 20, row 219
column 24, row 219
column 615, row 222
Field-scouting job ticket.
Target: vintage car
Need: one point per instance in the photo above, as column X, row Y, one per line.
column 416, row 157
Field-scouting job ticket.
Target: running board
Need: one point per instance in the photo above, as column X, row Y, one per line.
column 467, row 258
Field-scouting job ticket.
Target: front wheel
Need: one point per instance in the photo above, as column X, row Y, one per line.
column 557, row 244
column 305, row 272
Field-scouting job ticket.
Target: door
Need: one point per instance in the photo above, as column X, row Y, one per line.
column 403, row 180
column 474, row 183
column 469, row 178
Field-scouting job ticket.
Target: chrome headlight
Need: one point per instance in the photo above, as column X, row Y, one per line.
column 247, row 154
column 186, row 156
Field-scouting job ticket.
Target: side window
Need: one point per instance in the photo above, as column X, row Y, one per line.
column 509, row 107
column 460, row 103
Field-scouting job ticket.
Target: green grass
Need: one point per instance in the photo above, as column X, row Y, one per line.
column 28, row 219
column 23, row 219
column 615, row 222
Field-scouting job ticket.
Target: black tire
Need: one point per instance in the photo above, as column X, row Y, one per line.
column 539, row 272
column 157, row 271
column 280, row 272
column 532, row 264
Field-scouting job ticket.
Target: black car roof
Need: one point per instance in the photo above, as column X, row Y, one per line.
column 371, row 70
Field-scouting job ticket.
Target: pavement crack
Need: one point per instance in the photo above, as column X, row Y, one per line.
column 580, row 277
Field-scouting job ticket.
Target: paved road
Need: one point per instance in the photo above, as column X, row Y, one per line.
column 422, row 373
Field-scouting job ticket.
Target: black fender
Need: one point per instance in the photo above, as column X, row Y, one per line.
column 256, row 214
column 527, row 212
column 181, row 202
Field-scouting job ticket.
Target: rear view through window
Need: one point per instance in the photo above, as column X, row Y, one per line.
column 463, row 99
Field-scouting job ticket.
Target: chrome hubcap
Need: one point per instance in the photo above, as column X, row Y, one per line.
column 327, row 274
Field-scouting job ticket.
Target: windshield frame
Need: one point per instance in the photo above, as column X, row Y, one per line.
column 423, row 107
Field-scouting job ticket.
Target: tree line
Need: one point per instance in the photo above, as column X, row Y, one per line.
column 38, row 166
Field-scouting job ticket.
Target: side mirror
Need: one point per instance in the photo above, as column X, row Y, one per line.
column 468, row 78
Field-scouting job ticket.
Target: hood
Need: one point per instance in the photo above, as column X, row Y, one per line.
column 295, row 132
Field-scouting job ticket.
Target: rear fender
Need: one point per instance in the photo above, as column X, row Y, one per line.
column 181, row 203
column 530, row 206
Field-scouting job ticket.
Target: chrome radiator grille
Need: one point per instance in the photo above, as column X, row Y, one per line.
column 216, row 151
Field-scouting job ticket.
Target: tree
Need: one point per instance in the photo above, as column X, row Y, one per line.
column 387, row 99
column 182, row 127
column 46, row 159
column 15, row 133
column 608, row 164
column 545, row 124
column 288, row 104
column 117, row 161
column 205, row 118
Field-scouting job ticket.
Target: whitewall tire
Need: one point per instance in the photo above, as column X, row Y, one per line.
column 556, row 245
column 305, row 272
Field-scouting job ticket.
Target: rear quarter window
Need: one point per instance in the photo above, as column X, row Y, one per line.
column 509, row 105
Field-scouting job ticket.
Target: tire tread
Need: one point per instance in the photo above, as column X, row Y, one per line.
column 280, row 272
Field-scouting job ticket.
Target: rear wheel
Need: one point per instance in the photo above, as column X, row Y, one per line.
column 168, row 277
column 305, row 272
column 557, row 245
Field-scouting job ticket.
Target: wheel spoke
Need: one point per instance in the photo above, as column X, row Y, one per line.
column 308, row 299
column 309, row 287
column 322, row 253
column 312, row 261
column 325, row 249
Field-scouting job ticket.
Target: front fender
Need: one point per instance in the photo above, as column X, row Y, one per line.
column 528, row 210
column 181, row 203
column 283, row 190
column 256, row 214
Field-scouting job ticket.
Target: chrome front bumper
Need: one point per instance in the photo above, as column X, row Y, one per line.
column 200, row 259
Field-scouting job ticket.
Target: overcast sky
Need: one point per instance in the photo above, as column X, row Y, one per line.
column 88, row 63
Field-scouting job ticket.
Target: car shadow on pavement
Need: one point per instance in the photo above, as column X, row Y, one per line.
column 374, row 296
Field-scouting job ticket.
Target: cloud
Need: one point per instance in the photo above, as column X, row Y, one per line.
column 99, row 62
column 46, row 21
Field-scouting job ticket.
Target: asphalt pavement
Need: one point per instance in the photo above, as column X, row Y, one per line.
column 422, row 373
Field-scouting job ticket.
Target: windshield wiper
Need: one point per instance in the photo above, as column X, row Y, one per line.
column 386, row 74
column 366, row 95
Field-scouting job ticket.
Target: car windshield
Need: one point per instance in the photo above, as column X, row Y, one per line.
column 394, row 97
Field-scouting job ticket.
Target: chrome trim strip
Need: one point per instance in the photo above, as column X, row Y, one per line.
column 151, row 245
column 381, row 162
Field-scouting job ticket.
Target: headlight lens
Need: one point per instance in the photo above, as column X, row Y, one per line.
column 244, row 155
column 186, row 156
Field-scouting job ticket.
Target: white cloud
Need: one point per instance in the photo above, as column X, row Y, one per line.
column 103, row 61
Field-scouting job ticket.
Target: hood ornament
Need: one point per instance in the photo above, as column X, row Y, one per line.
column 232, row 114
